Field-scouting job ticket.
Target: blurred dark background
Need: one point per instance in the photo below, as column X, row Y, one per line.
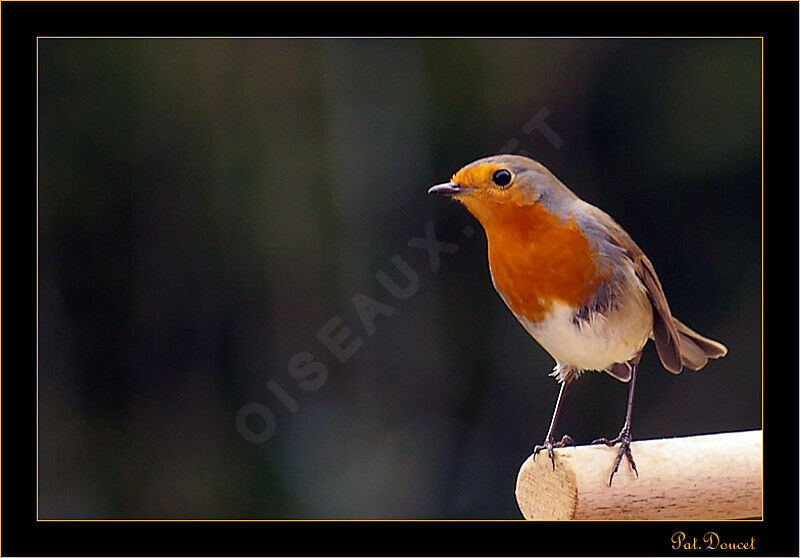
column 206, row 207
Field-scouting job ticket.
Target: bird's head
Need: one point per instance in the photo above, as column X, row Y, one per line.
column 493, row 187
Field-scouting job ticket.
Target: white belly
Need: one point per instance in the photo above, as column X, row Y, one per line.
column 599, row 342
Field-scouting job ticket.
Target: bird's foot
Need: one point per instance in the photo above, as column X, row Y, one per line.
column 550, row 443
column 624, row 441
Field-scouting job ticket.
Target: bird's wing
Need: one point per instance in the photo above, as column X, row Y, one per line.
column 665, row 333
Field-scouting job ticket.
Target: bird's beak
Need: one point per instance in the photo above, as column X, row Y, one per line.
column 446, row 189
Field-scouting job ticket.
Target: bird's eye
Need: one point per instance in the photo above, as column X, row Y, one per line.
column 501, row 177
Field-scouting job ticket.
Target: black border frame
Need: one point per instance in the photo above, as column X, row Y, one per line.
column 777, row 534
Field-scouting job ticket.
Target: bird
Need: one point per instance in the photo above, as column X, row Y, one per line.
column 575, row 280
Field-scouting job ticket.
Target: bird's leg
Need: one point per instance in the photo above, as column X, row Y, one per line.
column 549, row 442
column 624, row 438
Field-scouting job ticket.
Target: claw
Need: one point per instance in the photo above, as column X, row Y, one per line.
column 549, row 444
column 624, row 441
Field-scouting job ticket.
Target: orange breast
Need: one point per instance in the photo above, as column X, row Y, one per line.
column 536, row 260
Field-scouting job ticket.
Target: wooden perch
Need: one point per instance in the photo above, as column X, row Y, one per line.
column 715, row 476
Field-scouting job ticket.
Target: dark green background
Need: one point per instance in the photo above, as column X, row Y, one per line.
column 206, row 206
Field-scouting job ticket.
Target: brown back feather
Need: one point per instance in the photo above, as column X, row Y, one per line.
column 665, row 332
column 677, row 345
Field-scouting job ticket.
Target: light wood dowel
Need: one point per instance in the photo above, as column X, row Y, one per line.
column 714, row 476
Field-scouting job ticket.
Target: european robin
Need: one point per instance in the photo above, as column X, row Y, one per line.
column 575, row 280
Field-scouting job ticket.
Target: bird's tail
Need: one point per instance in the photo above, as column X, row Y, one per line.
column 696, row 349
